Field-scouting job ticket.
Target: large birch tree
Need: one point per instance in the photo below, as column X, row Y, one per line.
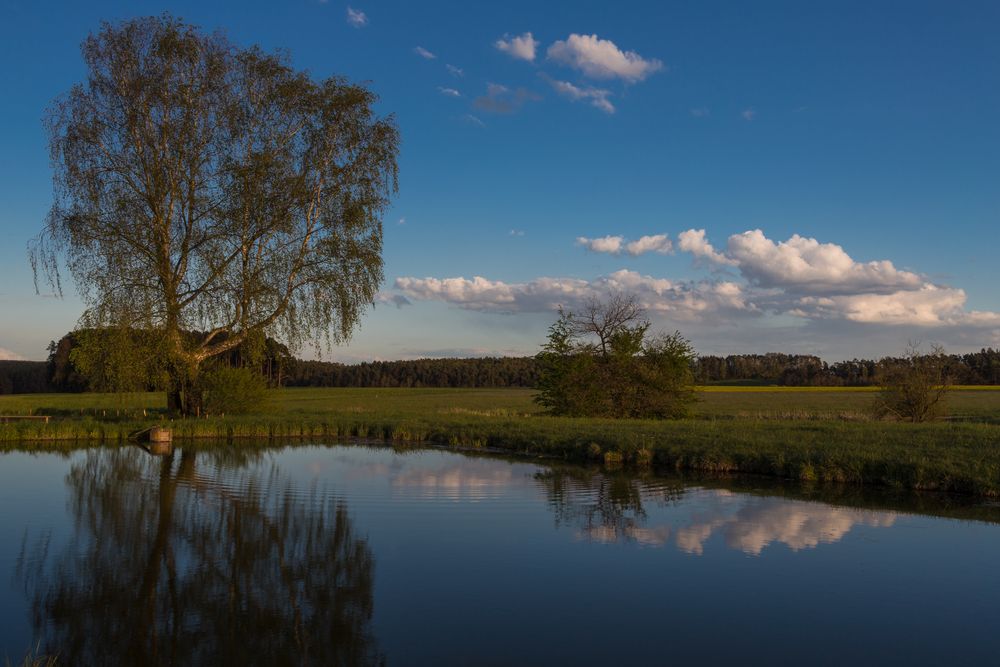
column 207, row 194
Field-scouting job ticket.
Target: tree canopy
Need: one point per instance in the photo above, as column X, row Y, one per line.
column 604, row 362
column 199, row 186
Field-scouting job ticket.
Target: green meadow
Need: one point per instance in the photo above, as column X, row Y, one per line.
column 813, row 434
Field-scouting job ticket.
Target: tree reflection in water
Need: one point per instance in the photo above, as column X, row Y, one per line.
column 201, row 558
column 607, row 506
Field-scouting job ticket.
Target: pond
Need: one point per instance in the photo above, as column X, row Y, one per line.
column 362, row 554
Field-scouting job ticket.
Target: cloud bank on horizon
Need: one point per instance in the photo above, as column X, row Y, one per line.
column 752, row 278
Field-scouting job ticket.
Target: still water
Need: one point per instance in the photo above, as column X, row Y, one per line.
column 349, row 555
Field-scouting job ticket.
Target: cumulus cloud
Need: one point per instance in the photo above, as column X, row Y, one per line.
column 608, row 244
column 602, row 59
column 597, row 97
column 694, row 242
column 424, row 53
column 450, row 92
column 810, row 266
column 615, row 245
column 521, row 47
column 820, row 281
column 681, row 300
column 501, row 99
column 356, row 17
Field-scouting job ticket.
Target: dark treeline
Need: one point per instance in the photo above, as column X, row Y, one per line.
column 483, row 372
column 59, row 374
column 798, row 370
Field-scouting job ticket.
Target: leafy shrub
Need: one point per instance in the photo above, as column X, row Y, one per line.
column 228, row 390
column 914, row 388
column 603, row 363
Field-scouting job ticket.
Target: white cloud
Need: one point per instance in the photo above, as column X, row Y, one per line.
column 450, row 92
column 455, row 71
column 602, row 59
column 424, row 53
column 356, row 17
column 658, row 243
column 820, row 281
column 7, row 355
column 928, row 306
column 521, row 47
column 681, row 301
column 598, row 97
column 608, row 244
column 615, row 245
column 816, row 287
column 693, row 241
column 516, row 232
column 402, row 221
column 812, row 267
column 473, row 120
column 748, row 114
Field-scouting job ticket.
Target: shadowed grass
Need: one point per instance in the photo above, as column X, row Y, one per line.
column 737, row 431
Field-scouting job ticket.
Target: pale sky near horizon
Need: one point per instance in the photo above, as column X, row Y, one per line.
column 791, row 176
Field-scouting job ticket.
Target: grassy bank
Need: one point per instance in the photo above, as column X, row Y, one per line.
column 806, row 435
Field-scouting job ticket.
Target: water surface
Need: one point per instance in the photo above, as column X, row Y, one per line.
column 361, row 555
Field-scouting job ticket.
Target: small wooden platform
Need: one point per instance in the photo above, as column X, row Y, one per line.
column 11, row 418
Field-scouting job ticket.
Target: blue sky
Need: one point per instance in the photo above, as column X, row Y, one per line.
column 843, row 160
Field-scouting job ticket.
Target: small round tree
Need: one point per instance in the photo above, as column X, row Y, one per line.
column 603, row 362
column 914, row 388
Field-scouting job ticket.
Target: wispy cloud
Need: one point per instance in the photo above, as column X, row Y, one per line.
column 521, row 47
column 700, row 112
column 597, row 97
column 455, row 71
column 450, row 92
column 501, row 99
column 602, row 59
column 424, row 53
column 469, row 119
column 749, row 113
column 356, row 17
column 517, row 232
column 402, row 221
column 397, row 300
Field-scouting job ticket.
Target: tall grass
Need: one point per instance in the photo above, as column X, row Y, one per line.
column 794, row 436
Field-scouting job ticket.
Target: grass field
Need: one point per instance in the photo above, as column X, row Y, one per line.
column 807, row 434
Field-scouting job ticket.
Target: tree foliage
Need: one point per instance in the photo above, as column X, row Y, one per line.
column 231, row 390
column 914, row 388
column 204, row 187
column 604, row 362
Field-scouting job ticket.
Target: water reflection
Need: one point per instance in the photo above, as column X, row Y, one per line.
column 608, row 507
column 612, row 507
column 760, row 522
column 200, row 558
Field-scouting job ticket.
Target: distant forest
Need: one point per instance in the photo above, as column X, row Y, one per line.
column 58, row 373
